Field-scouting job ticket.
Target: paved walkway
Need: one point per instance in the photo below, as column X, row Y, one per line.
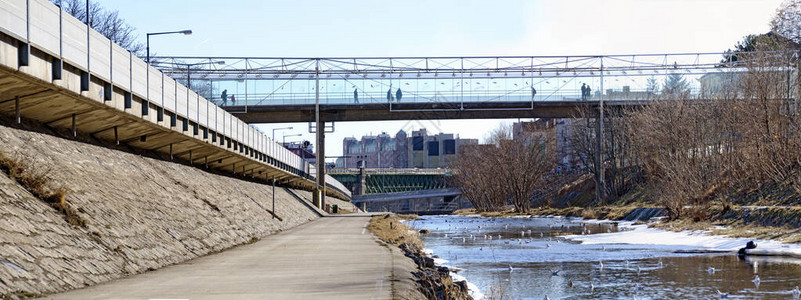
column 329, row 258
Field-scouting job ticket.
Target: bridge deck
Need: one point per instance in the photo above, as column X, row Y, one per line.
column 418, row 111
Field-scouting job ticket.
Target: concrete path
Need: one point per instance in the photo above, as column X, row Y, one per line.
column 329, row 258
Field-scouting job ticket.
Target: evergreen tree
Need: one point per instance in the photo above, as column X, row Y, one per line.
column 652, row 85
column 675, row 84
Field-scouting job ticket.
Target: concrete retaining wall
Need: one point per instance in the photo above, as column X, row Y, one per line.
column 141, row 213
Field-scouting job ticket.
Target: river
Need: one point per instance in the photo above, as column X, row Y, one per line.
column 530, row 258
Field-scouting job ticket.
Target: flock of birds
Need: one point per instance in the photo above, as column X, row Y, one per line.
column 796, row 292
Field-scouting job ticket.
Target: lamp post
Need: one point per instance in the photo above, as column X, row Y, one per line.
column 282, row 128
column 147, row 58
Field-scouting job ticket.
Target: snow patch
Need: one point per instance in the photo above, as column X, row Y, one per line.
column 700, row 240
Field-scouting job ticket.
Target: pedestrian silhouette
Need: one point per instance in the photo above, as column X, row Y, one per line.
column 399, row 94
column 224, row 97
column 533, row 93
column 583, row 91
column 233, row 100
column 588, row 92
column 355, row 96
column 389, row 95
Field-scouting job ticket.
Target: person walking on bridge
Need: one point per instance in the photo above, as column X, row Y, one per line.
column 588, row 93
column 224, row 97
column 389, row 94
column 399, row 94
column 355, row 96
column 583, row 91
column 533, row 93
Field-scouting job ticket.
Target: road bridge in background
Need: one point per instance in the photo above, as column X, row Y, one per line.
column 421, row 202
column 380, row 181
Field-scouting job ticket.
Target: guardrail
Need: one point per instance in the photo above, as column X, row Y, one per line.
column 42, row 25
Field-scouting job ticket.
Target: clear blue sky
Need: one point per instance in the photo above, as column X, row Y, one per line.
column 440, row 28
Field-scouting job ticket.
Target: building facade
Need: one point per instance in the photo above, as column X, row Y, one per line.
column 419, row 150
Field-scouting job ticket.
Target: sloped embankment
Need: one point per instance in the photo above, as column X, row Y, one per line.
column 140, row 213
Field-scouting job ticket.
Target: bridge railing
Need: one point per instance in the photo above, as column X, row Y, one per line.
column 105, row 66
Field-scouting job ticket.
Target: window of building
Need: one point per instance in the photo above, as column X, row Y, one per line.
column 433, row 148
column 417, row 143
column 449, row 147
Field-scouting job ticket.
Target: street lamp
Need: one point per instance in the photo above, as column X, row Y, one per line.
column 147, row 59
column 283, row 142
column 282, row 128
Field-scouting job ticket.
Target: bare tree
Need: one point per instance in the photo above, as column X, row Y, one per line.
column 787, row 19
column 503, row 171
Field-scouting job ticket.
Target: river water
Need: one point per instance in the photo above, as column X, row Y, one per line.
column 529, row 258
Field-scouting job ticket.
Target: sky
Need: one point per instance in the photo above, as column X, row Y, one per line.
column 345, row 28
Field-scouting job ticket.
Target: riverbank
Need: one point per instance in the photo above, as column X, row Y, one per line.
column 99, row 211
column 433, row 282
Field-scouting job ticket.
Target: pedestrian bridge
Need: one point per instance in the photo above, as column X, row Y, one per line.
column 56, row 70
column 266, row 89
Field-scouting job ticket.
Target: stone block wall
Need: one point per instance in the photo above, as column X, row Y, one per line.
column 141, row 214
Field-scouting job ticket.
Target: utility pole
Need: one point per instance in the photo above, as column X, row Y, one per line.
column 600, row 188
column 319, row 190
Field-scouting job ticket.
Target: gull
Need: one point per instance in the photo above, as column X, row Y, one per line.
column 507, row 226
column 722, row 295
column 499, row 236
column 570, row 282
column 592, row 287
column 796, row 292
column 660, row 263
column 542, row 234
column 756, row 280
column 548, row 245
column 546, row 298
column 464, row 240
column 639, row 287
column 522, row 234
column 554, row 272
column 711, row 270
column 601, row 264
column 603, row 248
column 511, row 269
column 638, row 271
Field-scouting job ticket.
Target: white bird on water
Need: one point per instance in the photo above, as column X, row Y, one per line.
column 554, row 272
column 660, row 263
column 796, row 292
column 756, row 280
column 601, row 264
column 511, row 269
column 711, row 270
column 722, row 295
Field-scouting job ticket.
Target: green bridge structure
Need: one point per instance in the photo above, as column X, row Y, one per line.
column 379, row 181
column 417, row 191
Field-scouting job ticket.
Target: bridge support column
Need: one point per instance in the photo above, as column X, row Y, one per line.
column 319, row 192
column 362, row 184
